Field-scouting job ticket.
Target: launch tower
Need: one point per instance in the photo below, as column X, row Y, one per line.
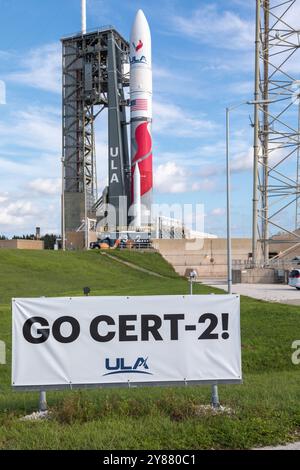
column 95, row 77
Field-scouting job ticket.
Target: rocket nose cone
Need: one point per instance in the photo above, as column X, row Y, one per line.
column 140, row 18
column 140, row 38
column 140, row 14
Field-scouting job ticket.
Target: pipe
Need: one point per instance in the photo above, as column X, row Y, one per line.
column 83, row 16
column 137, row 197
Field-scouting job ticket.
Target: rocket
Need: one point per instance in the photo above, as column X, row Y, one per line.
column 141, row 119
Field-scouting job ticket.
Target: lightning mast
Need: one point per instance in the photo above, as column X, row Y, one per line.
column 276, row 188
column 83, row 16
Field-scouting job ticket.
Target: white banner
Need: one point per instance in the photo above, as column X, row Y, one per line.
column 126, row 340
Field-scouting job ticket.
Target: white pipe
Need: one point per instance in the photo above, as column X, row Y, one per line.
column 137, row 197
column 83, row 16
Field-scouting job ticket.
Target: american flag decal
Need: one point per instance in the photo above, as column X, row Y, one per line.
column 139, row 105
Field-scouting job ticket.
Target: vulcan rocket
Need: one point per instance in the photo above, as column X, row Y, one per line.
column 141, row 119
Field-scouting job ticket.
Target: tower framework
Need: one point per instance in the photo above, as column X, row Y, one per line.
column 276, row 183
column 94, row 78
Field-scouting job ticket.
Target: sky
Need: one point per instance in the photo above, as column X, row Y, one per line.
column 203, row 56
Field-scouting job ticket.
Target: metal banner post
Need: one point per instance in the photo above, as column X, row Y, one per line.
column 43, row 401
column 215, row 402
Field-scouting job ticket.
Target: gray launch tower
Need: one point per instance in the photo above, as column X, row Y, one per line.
column 94, row 78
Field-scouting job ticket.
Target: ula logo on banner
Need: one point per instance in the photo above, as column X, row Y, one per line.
column 140, row 366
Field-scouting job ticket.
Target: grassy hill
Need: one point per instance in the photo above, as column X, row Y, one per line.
column 265, row 409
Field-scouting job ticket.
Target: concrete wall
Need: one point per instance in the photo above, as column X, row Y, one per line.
column 22, row 244
column 286, row 250
column 75, row 240
column 207, row 256
column 258, row 276
column 74, row 210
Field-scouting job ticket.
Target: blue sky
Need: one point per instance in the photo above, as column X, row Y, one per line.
column 202, row 62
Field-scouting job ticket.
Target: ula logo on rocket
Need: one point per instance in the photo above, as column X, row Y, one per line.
column 138, row 46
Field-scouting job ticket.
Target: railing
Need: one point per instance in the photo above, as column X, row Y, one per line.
column 143, row 244
column 108, row 27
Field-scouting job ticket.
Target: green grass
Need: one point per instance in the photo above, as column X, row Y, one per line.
column 265, row 408
column 152, row 261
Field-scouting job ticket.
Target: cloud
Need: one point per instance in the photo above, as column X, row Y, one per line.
column 222, row 29
column 245, row 87
column 13, row 168
column 3, row 197
column 30, row 161
column 41, row 68
column 218, row 211
column 30, row 152
column 22, row 215
column 161, row 72
column 208, row 160
column 46, row 186
column 33, row 128
column 21, row 208
column 15, row 214
column 172, row 178
column 242, row 161
column 291, row 17
column 185, row 85
column 2, row 92
column 101, row 11
column 173, row 120
column 21, row 171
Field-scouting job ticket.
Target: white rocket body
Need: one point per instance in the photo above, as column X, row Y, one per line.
column 141, row 115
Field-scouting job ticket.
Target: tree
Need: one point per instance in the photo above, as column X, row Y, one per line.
column 49, row 241
column 24, row 237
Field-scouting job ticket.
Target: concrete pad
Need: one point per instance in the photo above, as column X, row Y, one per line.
column 281, row 293
column 293, row 446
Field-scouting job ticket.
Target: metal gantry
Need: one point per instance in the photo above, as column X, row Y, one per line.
column 89, row 88
column 276, row 186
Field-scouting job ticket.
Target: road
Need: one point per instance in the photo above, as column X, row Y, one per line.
column 270, row 292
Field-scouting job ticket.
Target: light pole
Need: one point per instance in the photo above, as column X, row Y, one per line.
column 228, row 208
column 228, row 195
column 192, row 278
